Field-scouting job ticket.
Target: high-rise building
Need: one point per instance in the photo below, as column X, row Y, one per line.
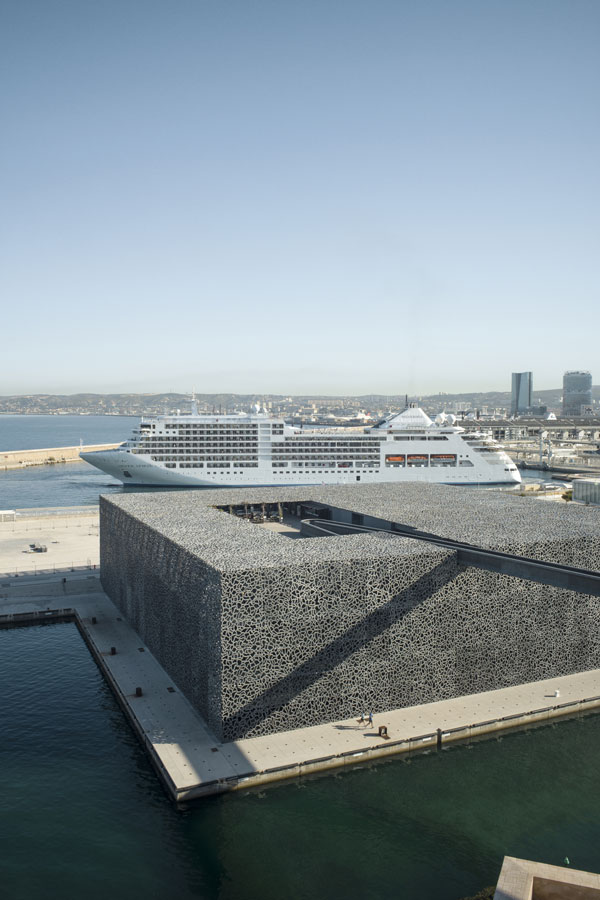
column 522, row 386
column 577, row 393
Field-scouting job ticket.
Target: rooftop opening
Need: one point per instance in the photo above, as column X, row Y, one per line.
column 306, row 519
column 283, row 518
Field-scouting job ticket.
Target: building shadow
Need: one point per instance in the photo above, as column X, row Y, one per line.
column 355, row 638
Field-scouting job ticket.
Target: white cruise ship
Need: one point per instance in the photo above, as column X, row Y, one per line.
column 259, row 450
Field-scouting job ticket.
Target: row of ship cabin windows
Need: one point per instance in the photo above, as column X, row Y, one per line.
column 416, row 460
column 176, row 441
column 212, row 467
column 412, row 437
column 210, row 427
column 229, row 430
column 186, row 442
column 322, row 467
column 391, row 461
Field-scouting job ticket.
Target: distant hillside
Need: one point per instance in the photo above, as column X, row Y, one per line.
column 154, row 404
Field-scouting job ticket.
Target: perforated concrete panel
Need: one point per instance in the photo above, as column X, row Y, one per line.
column 264, row 634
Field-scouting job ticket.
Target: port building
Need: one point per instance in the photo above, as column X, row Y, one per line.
column 586, row 490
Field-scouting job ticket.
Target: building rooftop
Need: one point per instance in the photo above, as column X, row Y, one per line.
column 492, row 520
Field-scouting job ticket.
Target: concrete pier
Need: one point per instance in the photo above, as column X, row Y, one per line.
column 193, row 764
column 20, row 459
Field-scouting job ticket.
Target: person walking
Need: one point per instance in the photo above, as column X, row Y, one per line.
column 370, row 718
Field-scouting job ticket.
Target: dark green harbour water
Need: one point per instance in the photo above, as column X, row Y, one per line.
column 83, row 814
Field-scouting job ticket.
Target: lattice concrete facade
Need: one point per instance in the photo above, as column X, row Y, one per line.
column 265, row 634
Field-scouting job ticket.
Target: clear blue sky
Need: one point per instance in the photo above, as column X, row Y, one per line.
column 298, row 195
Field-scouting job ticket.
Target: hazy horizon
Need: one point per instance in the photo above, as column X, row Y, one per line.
column 273, row 393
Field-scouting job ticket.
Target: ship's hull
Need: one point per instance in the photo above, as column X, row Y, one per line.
column 135, row 470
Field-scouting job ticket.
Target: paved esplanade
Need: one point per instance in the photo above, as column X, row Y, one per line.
column 265, row 634
column 69, row 535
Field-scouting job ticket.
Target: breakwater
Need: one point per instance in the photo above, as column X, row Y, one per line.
column 20, row 459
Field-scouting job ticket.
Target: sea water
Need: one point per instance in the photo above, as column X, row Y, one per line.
column 39, row 432
column 83, row 813
column 61, row 484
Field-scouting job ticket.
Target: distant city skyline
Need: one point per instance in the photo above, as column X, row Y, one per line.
column 246, row 390
column 298, row 198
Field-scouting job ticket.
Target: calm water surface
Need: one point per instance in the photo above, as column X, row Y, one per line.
column 37, row 432
column 82, row 814
column 63, row 484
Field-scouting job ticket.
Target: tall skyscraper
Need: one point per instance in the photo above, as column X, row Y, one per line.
column 522, row 386
column 577, row 393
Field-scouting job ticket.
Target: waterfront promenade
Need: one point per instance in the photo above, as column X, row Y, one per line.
column 193, row 764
